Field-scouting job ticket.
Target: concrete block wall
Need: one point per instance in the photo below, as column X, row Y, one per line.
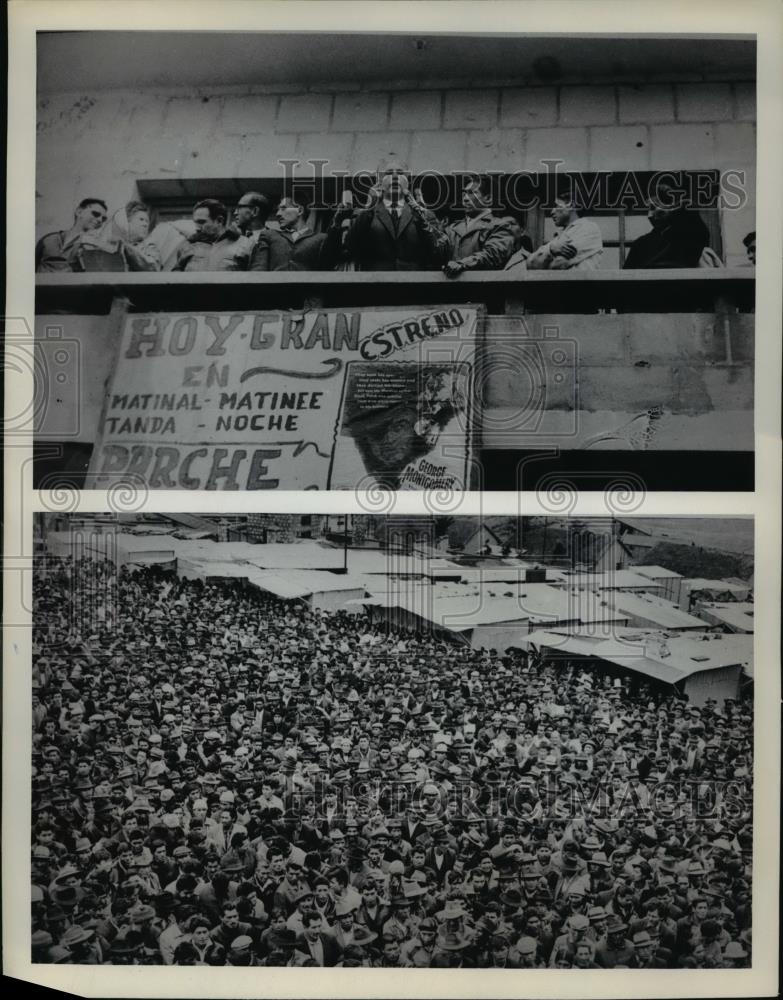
column 281, row 527
column 600, row 371
column 102, row 143
column 692, row 370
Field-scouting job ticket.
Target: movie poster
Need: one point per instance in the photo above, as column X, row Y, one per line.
column 326, row 399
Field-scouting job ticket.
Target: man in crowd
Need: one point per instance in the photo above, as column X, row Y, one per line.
column 281, row 836
column 215, row 245
column 251, row 214
column 677, row 238
column 577, row 244
column 57, row 251
column 481, row 241
column 293, row 246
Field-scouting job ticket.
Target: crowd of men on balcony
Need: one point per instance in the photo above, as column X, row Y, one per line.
column 394, row 231
column 223, row 778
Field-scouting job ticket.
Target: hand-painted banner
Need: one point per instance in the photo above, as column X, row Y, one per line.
column 330, row 399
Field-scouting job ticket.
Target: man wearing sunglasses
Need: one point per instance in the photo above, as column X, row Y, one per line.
column 57, row 251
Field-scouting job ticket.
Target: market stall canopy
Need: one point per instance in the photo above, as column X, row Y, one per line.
column 695, row 584
column 662, row 657
column 737, row 616
column 656, row 572
column 653, row 610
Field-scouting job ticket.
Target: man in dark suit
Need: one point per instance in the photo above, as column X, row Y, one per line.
column 440, row 857
column 294, row 246
column 396, row 233
column 315, row 944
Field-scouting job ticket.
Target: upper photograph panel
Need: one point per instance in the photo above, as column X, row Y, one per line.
column 408, row 262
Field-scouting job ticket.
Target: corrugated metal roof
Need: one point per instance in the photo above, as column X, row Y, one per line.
column 661, row 613
column 717, row 586
column 460, row 607
column 667, row 658
column 611, row 580
column 737, row 615
column 292, row 584
column 657, row 572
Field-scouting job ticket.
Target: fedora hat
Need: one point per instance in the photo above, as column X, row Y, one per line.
column 363, row 935
column 75, row 935
column 453, row 910
column 451, row 941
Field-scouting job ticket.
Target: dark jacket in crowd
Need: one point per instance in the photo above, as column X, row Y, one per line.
column 229, row 253
column 376, row 241
column 678, row 243
column 302, row 250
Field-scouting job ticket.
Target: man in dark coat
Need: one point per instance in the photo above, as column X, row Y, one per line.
column 294, row 246
column 677, row 238
column 316, row 944
column 396, row 233
column 215, row 245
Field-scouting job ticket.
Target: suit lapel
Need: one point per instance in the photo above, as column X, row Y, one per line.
column 383, row 214
column 406, row 217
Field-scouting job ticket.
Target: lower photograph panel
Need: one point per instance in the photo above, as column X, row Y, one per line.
column 369, row 740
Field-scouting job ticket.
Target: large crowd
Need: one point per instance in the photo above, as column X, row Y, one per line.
column 394, row 230
column 222, row 778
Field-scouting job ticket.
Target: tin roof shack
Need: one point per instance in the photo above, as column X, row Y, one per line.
column 732, row 616
column 700, row 667
column 669, row 581
column 319, row 589
column 617, row 579
column 694, row 589
column 651, row 611
column 495, row 618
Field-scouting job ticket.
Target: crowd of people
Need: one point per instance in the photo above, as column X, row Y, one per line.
column 393, row 231
column 223, row 778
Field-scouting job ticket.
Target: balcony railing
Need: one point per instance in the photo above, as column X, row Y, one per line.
column 697, row 290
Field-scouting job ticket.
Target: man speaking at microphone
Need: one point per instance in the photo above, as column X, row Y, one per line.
column 395, row 233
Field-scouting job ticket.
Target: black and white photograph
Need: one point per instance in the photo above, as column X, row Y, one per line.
column 227, row 222
column 378, row 741
column 472, row 687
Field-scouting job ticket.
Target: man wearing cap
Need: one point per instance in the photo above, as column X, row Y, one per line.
column 147, row 928
column 577, row 932
column 344, row 925
column 526, row 954
column 417, row 951
column 305, row 901
column 618, row 949
column 82, row 946
column 240, row 952
column 644, row 956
